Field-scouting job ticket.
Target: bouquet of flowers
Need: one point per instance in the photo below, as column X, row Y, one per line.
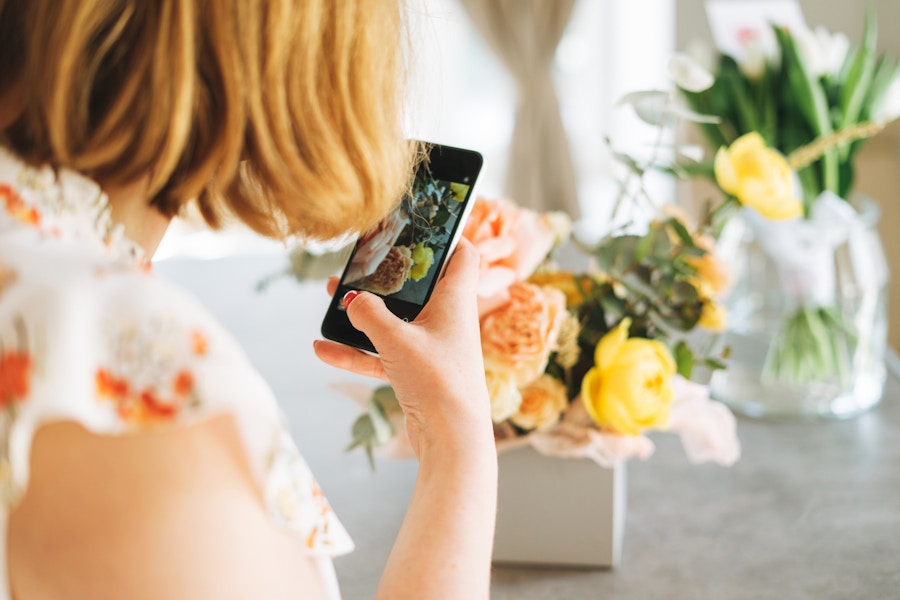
column 788, row 118
column 583, row 364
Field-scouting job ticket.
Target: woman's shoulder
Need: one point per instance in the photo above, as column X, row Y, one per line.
column 119, row 350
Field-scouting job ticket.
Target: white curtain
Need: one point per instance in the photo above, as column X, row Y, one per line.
column 524, row 34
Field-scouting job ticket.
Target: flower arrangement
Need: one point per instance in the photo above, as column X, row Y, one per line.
column 584, row 364
column 786, row 121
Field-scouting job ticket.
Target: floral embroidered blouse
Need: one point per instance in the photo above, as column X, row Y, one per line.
column 89, row 334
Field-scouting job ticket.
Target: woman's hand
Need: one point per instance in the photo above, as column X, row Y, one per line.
column 435, row 366
column 433, row 363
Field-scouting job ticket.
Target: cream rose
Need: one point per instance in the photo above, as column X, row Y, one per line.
column 503, row 391
column 543, row 400
column 523, row 332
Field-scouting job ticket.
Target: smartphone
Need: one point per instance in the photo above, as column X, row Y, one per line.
column 402, row 258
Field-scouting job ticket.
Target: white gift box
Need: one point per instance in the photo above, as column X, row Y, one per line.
column 558, row 511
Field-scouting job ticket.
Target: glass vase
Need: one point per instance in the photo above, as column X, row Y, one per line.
column 807, row 314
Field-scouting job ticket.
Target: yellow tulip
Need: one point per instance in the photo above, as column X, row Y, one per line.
column 758, row 177
column 628, row 390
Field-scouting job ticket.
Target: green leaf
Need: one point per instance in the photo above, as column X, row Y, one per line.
column 645, row 245
column 683, row 293
column 386, row 399
column 714, row 364
column 682, row 232
column 859, row 78
column 684, row 359
column 442, row 216
column 739, row 95
column 364, row 436
column 690, row 170
column 374, row 429
column 812, row 102
column 885, row 73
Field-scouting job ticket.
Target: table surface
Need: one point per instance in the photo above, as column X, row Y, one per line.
column 810, row 511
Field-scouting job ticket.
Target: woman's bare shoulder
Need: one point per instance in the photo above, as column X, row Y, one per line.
column 169, row 513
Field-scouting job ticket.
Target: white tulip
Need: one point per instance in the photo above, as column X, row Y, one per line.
column 888, row 107
column 760, row 49
column 703, row 54
column 689, row 75
column 822, row 53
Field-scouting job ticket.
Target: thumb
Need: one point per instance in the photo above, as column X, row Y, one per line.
column 461, row 276
column 368, row 313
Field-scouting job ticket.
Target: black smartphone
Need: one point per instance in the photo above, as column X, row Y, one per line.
column 402, row 258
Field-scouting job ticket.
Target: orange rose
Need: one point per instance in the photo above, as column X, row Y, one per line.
column 391, row 273
column 543, row 400
column 713, row 316
column 512, row 241
column 713, row 277
column 524, row 331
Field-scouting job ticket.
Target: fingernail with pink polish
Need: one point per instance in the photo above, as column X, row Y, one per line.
column 349, row 297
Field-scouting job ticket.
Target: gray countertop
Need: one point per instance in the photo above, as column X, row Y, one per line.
column 810, row 511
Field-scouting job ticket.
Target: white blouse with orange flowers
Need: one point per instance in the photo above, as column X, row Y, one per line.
column 89, row 334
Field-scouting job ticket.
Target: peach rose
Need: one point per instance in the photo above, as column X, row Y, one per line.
column 524, row 331
column 391, row 274
column 543, row 400
column 512, row 241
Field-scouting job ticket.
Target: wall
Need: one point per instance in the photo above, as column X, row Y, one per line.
column 879, row 164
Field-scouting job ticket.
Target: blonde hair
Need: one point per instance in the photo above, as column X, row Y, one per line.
column 285, row 113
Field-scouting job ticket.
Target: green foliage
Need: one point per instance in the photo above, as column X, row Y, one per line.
column 429, row 206
column 373, row 428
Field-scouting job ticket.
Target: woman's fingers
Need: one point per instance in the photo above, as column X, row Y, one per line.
column 349, row 359
column 332, row 284
column 368, row 313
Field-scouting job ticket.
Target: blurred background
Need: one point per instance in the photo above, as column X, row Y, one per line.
column 467, row 88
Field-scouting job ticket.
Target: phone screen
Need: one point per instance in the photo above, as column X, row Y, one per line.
column 402, row 257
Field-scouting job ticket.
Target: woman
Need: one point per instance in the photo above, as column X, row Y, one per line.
column 140, row 454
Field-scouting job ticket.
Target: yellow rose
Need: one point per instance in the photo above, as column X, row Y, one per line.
column 758, row 177
column 566, row 282
column 423, row 257
column 543, row 400
column 459, row 191
column 713, row 316
column 628, row 389
column 502, row 389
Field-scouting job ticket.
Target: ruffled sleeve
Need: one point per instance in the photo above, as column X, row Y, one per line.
column 119, row 350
